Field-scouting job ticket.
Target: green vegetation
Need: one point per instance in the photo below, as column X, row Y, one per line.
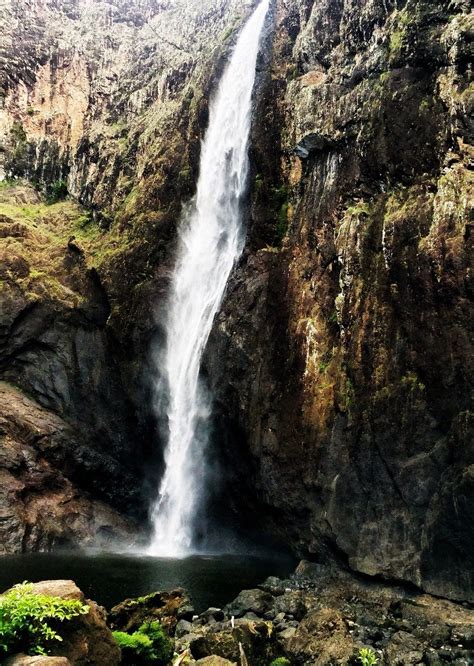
column 18, row 133
column 148, row 645
column 227, row 33
column 281, row 661
column 57, row 192
column 361, row 208
column 282, row 223
column 399, row 33
column 19, row 150
column 292, row 72
column 396, row 42
column 411, row 381
column 231, row 29
column 424, row 105
column 42, row 234
column 279, row 200
column 29, row 622
column 136, row 647
column 367, row 657
column 275, row 200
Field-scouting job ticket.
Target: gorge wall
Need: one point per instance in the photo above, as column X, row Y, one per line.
column 341, row 360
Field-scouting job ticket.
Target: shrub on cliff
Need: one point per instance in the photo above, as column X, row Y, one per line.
column 30, row 622
column 57, row 191
column 367, row 657
column 148, row 645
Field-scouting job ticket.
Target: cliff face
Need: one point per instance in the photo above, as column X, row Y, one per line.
column 347, row 337
column 107, row 102
column 341, row 359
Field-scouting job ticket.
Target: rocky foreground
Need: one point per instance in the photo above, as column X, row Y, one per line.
column 317, row 616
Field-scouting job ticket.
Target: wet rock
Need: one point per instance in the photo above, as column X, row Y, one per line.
column 63, row 340
column 302, row 310
column 212, row 614
column 352, row 303
column 273, row 585
column 254, row 601
column 321, row 638
column 291, row 604
column 222, row 639
column 342, row 613
column 171, row 609
column 311, row 144
column 403, row 648
column 183, row 627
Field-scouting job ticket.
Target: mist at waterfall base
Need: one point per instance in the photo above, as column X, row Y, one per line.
column 210, row 241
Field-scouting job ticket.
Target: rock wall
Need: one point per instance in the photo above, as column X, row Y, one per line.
column 107, row 103
column 345, row 337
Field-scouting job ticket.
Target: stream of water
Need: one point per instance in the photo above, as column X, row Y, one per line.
column 211, row 240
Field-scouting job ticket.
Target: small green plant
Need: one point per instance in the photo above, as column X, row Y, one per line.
column 29, row 622
column 258, row 182
column 17, row 132
column 148, row 645
column 280, row 661
column 136, row 647
column 367, row 657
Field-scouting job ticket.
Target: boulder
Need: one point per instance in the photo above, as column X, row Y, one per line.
column 212, row 615
column 254, row 601
column 306, row 569
column 86, row 639
column 166, row 607
column 321, row 638
column 403, row 649
column 255, row 637
column 291, row 603
column 182, row 628
column 273, row 585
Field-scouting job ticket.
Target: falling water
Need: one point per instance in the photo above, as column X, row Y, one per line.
column 211, row 240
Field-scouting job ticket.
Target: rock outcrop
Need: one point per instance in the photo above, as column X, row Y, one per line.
column 168, row 608
column 40, row 506
column 67, row 457
column 85, row 639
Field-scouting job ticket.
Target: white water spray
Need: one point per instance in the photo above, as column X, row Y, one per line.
column 211, row 240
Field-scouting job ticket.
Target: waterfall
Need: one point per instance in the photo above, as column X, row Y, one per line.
column 210, row 241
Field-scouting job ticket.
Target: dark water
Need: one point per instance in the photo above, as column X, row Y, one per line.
column 110, row 578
